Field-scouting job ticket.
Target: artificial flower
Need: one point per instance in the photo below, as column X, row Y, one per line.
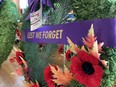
column 100, row 46
column 91, row 44
column 48, row 76
column 90, row 39
column 24, row 62
column 18, row 34
column 68, row 54
column 18, row 55
column 86, row 69
column 95, row 52
column 27, row 74
column 31, row 84
column 61, row 77
column 61, row 49
column 12, row 60
column 74, row 47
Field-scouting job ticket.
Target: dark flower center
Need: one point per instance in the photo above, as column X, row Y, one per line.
column 87, row 68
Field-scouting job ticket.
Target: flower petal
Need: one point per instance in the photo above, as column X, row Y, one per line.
column 75, row 65
column 81, row 77
column 51, row 84
column 95, row 79
column 48, row 76
column 86, row 57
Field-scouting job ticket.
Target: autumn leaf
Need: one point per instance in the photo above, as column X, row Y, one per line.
column 83, row 48
column 90, row 39
column 60, row 77
column 73, row 46
column 100, row 46
column 31, row 84
column 95, row 52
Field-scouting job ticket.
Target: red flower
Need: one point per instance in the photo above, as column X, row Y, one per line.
column 18, row 55
column 68, row 54
column 18, row 34
column 12, row 60
column 61, row 49
column 27, row 74
column 48, row 77
column 86, row 69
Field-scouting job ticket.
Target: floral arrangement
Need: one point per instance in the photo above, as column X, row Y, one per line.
column 89, row 66
column 23, row 68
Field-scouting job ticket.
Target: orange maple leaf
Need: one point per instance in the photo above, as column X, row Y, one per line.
column 61, row 78
column 100, row 46
column 90, row 39
column 95, row 52
column 73, row 46
column 31, row 84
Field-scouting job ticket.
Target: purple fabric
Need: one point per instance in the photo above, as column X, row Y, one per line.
column 105, row 30
column 0, row 0
column 48, row 3
column 33, row 4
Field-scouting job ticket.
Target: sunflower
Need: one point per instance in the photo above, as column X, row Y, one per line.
column 86, row 69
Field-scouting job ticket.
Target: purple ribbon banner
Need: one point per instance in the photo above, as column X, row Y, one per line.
column 105, row 30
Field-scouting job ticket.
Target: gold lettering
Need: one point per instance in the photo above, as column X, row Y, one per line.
column 61, row 31
column 57, row 34
column 53, row 34
column 50, row 34
column 38, row 34
column 46, row 34
column 43, row 34
column 30, row 35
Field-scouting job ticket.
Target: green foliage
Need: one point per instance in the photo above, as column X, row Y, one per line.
column 38, row 59
column 109, row 76
column 110, row 73
column 25, row 24
column 74, row 83
column 57, row 16
column 8, row 22
column 93, row 9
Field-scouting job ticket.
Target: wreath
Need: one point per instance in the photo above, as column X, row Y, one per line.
column 8, row 23
column 90, row 65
